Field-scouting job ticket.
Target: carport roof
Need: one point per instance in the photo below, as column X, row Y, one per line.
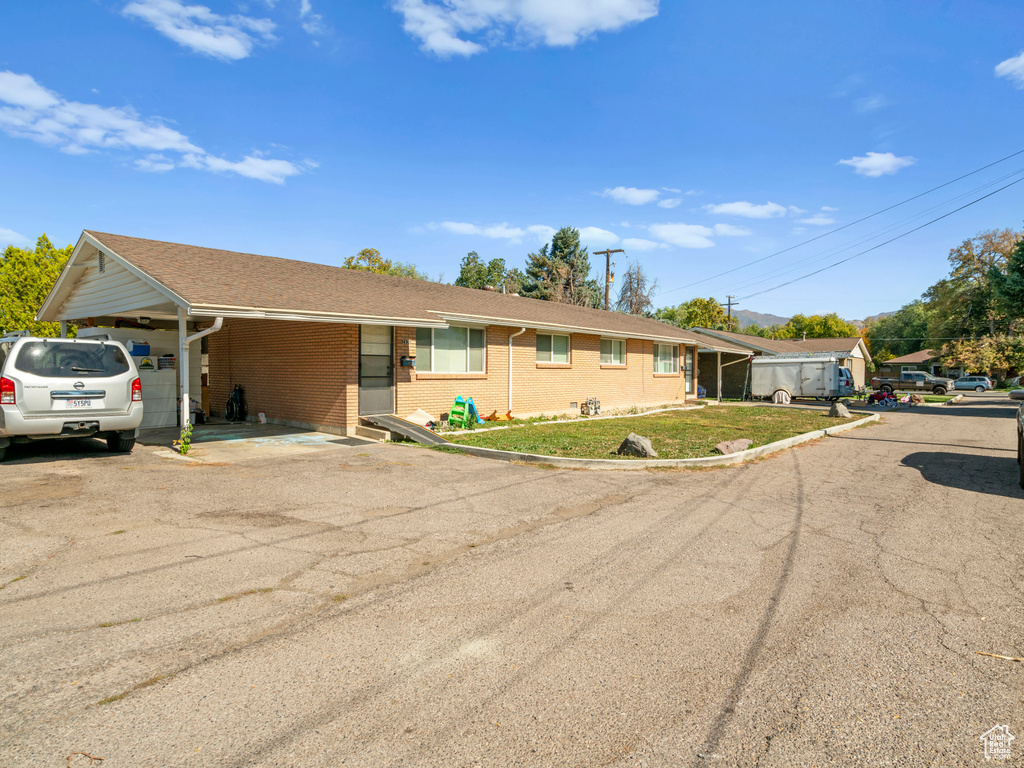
column 208, row 282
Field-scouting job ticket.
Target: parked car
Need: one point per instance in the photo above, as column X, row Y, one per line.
column 918, row 380
column 977, row 383
column 53, row 388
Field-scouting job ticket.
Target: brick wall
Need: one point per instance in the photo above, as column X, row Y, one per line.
column 303, row 373
column 307, row 374
column 539, row 387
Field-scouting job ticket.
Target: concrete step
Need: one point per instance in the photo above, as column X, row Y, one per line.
column 372, row 433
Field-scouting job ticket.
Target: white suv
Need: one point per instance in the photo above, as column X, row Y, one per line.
column 68, row 388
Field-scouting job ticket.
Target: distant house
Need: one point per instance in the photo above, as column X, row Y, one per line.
column 851, row 351
column 924, row 360
column 320, row 346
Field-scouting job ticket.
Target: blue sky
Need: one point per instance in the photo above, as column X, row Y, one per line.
column 697, row 136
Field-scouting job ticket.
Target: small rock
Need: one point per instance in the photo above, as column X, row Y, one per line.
column 635, row 445
column 839, row 411
column 733, row 446
column 916, row 398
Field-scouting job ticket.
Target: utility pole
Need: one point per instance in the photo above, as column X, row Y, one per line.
column 730, row 303
column 607, row 270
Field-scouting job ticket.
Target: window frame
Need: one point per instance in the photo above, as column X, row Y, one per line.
column 657, row 359
column 551, row 352
column 612, row 363
column 469, row 348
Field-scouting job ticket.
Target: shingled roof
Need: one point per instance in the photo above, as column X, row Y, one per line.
column 844, row 345
column 210, row 282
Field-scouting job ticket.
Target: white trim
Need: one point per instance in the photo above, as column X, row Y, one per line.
column 87, row 239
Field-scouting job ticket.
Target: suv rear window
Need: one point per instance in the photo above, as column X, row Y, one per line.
column 71, row 360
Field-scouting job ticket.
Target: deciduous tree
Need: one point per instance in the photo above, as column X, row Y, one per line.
column 370, row 260
column 26, row 276
column 636, row 291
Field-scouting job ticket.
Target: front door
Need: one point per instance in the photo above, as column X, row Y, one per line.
column 376, row 380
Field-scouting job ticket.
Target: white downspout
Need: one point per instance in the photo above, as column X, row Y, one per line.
column 719, row 376
column 184, row 340
column 520, row 332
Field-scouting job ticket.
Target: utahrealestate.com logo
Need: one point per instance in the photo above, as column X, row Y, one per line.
column 997, row 742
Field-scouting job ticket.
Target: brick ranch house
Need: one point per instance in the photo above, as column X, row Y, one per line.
column 319, row 346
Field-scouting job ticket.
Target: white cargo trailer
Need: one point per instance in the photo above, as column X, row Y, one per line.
column 784, row 377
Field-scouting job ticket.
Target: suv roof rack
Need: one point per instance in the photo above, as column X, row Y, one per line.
column 15, row 334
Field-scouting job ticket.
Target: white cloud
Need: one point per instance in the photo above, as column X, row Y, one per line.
column 683, row 235
column 672, row 190
column 442, row 26
column 669, row 202
column 39, row 114
column 818, row 220
column 639, row 244
column 196, row 27
column 748, row 210
column 543, row 233
column 871, row 103
column 729, row 230
column 312, row 23
column 154, row 163
column 495, row 231
column 795, row 211
column 10, row 237
column 631, row 195
column 1012, row 69
column 875, row 164
column 828, row 208
column 598, row 237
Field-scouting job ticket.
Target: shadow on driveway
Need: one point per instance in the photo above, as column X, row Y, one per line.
column 995, row 475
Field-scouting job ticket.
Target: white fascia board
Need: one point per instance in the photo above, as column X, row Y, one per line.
column 60, row 288
column 456, row 319
column 260, row 313
column 725, row 350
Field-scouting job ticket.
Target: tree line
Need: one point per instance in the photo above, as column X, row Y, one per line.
column 973, row 318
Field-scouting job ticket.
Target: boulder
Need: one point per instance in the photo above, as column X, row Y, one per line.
column 635, row 445
column 733, row 446
column 917, row 399
column 839, row 411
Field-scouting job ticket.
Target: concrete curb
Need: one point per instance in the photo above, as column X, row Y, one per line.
column 628, row 464
column 954, row 401
column 168, row 453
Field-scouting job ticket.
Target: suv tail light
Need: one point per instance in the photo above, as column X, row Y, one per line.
column 136, row 390
column 7, row 392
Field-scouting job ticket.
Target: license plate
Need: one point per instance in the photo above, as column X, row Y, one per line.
column 85, row 403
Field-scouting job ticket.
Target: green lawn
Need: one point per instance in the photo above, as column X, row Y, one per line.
column 674, row 435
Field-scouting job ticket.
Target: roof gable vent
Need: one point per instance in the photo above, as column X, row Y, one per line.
column 103, row 262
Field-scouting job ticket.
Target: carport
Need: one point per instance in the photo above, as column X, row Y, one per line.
column 125, row 288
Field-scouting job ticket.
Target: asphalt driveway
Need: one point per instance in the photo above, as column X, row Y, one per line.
column 387, row 605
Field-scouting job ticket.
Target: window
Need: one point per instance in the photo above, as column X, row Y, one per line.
column 613, row 351
column 450, row 350
column 71, row 359
column 689, row 370
column 552, row 348
column 666, row 358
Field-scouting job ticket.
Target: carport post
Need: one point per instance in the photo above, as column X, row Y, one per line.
column 63, row 329
column 719, row 377
column 183, row 366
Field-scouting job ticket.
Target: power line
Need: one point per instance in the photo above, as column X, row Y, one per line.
column 837, row 249
column 876, row 247
column 845, row 226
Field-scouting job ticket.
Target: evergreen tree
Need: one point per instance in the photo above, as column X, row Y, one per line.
column 560, row 272
column 1009, row 288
